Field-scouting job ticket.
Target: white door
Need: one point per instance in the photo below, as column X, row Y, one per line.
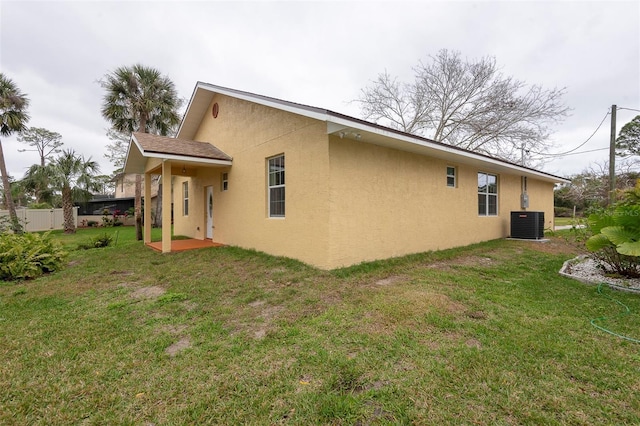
column 209, row 204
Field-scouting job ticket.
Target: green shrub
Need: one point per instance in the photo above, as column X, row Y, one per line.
column 9, row 226
column 615, row 242
column 29, row 255
column 40, row 206
column 563, row 211
column 102, row 240
column 99, row 241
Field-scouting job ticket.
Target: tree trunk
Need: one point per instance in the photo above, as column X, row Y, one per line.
column 67, row 211
column 138, row 207
column 142, row 128
column 6, row 185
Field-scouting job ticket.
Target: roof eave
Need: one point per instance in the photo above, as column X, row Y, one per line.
column 137, row 159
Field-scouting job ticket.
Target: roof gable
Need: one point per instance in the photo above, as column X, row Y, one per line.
column 350, row 127
column 146, row 145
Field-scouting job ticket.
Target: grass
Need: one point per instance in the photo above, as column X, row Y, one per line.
column 485, row 334
column 564, row 221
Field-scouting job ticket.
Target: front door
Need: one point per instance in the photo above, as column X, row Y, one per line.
column 209, row 204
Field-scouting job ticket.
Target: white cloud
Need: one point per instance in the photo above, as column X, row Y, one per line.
column 316, row 53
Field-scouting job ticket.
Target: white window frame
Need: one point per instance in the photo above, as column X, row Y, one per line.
column 276, row 181
column 185, row 198
column 452, row 176
column 488, row 195
column 224, row 181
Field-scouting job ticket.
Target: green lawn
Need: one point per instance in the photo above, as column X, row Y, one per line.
column 563, row 221
column 487, row 334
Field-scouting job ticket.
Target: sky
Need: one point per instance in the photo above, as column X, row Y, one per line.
column 318, row 53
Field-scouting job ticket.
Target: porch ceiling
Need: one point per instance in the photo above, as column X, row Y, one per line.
column 145, row 146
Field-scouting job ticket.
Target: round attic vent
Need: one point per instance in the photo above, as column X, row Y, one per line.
column 214, row 110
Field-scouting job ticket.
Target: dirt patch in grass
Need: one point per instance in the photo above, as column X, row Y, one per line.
column 425, row 301
column 178, row 346
column 271, row 312
column 376, row 386
column 408, row 308
column 473, row 343
column 173, row 329
column 146, row 293
column 260, row 333
column 479, row 315
column 258, row 319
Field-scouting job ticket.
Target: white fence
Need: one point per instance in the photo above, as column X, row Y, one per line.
column 41, row 220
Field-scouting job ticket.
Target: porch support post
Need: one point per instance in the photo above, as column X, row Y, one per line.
column 166, row 206
column 147, row 208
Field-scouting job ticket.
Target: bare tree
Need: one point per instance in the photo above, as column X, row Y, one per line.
column 590, row 188
column 44, row 142
column 117, row 148
column 469, row 104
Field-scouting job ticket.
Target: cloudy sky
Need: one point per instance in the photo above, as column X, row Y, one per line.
column 317, row 53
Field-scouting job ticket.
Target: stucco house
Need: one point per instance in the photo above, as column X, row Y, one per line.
column 322, row 187
column 125, row 185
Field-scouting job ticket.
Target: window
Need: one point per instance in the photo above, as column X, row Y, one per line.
column 487, row 194
column 451, row 176
column 224, row 182
column 276, row 186
column 185, row 198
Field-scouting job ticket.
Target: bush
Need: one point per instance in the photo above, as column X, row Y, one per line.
column 8, row 226
column 40, row 206
column 563, row 211
column 615, row 242
column 29, row 255
column 99, row 241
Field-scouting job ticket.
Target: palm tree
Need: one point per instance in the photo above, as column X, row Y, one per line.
column 13, row 118
column 36, row 182
column 139, row 98
column 71, row 174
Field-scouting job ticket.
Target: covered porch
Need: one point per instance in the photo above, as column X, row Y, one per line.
column 170, row 157
column 184, row 245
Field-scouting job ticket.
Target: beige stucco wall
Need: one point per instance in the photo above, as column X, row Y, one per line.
column 386, row 203
column 346, row 201
column 251, row 133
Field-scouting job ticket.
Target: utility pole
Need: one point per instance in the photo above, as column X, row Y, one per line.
column 612, row 157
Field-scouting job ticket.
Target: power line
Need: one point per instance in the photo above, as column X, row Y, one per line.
column 591, row 150
column 561, row 154
column 630, row 109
